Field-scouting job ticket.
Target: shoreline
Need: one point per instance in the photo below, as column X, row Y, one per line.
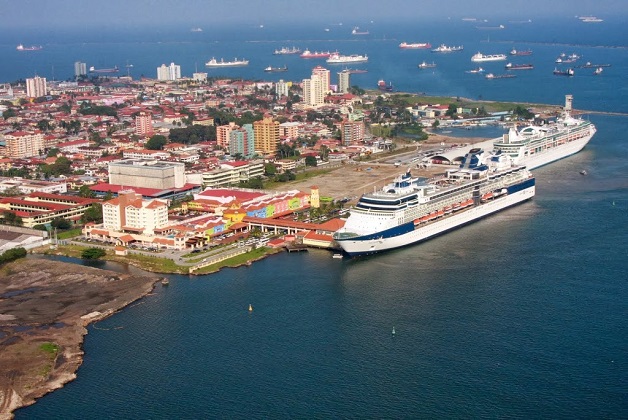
column 45, row 310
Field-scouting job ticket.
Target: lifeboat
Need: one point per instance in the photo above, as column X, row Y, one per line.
column 487, row 196
column 448, row 209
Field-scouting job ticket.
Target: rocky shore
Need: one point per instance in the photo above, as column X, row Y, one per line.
column 45, row 307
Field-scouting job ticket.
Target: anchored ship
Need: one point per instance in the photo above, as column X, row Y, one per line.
column 316, row 54
column 270, row 69
column 500, row 76
column 286, row 50
column 93, row 69
column 222, row 63
column 535, row 145
column 520, row 52
column 21, row 47
column 442, row 48
column 425, row 65
column 385, row 87
column 487, row 57
column 511, row 66
column 412, row 209
column 343, row 59
column 568, row 72
column 356, row 31
column 415, row 46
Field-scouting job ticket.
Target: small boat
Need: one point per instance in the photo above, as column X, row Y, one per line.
column 21, row 47
column 598, row 71
column 425, row 65
column 337, row 255
column 165, row 282
column 393, row 331
column 196, row 30
column 270, row 69
column 583, row 172
column 250, row 308
column 475, row 70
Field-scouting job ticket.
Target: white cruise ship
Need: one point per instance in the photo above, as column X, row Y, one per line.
column 538, row 145
column 411, row 210
column 479, row 57
column 344, row 59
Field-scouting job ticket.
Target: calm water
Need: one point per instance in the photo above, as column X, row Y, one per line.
column 522, row 314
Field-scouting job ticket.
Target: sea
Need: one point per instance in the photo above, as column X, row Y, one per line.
column 519, row 315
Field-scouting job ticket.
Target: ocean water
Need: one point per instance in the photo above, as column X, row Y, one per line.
column 520, row 315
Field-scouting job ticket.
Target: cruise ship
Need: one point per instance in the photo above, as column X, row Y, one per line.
column 343, row 59
column 411, row 209
column 222, row 63
column 479, row 57
column 535, row 146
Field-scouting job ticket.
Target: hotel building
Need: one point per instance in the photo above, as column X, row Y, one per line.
column 266, row 136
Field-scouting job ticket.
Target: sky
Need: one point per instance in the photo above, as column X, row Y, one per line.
column 82, row 13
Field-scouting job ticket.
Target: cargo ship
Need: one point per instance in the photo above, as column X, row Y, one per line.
column 114, row 69
column 569, row 72
column 500, row 76
column 270, row 69
column 425, row 65
column 356, row 31
column 520, row 52
column 411, row 209
column 385, row 87
column 538, row 145
column 21, row 47
column 287, row 51
column 316, row 54
column 415, row 46
column 343, row 59
column 442, row 48
column 479, row 57
column 511, row 66
column 222, row 63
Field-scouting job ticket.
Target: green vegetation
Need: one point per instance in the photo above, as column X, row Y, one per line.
column 89, row 109
column 238, row 260
column 72, row 233
column 51, row 348
column 12, row 255
column 156, row 142
column 10, row 218
column 193, row 134
column 93, row 253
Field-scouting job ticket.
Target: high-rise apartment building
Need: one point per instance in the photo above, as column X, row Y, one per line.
column 222, row 134
column 344, row 81
column 315, row 88
column 80, row 69
column 282, row 88
column 144, row 124
column 351, row 131
column 23, row 144
column 266, row 134
column 36, row 87
column 171, row 72
column 242, row 141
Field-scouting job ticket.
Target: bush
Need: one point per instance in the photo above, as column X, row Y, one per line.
column 93, row 253
column 12, row 255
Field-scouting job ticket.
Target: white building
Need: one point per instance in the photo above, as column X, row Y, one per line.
column 316, row 87
column 36, row 87
column 282, row 88
column 344, row 81
column 128, row 212
column 147, row 174
column 80, row 69
column 232, row 173
column 171, row 72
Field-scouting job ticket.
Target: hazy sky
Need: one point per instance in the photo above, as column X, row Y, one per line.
column 55, row 13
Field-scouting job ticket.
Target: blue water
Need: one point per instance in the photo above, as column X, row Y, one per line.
column 521, row 315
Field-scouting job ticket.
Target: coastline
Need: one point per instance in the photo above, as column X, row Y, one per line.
column 45, row 309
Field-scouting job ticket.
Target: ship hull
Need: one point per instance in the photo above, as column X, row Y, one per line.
column 408, row 234
column 557, row 153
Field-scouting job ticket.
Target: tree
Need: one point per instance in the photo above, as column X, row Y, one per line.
column 12, row 255
column 435, row 124
column 10, row 218
column 86, row 192
column 93, row 214
column 310, row 161
column 44, row 125
column 156, row 142
column 93, row 253
column 451, row 111
column 270, row 169
column 52, row 152
column 61, row 223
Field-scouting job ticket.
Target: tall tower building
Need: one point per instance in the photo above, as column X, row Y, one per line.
column 344, row 81
column 324, row 75
column 282, row 88
column 351, row 131
column 144, row 124
column 80, row 69
column 36, row 87
column 266, row 134
column 171, row 72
